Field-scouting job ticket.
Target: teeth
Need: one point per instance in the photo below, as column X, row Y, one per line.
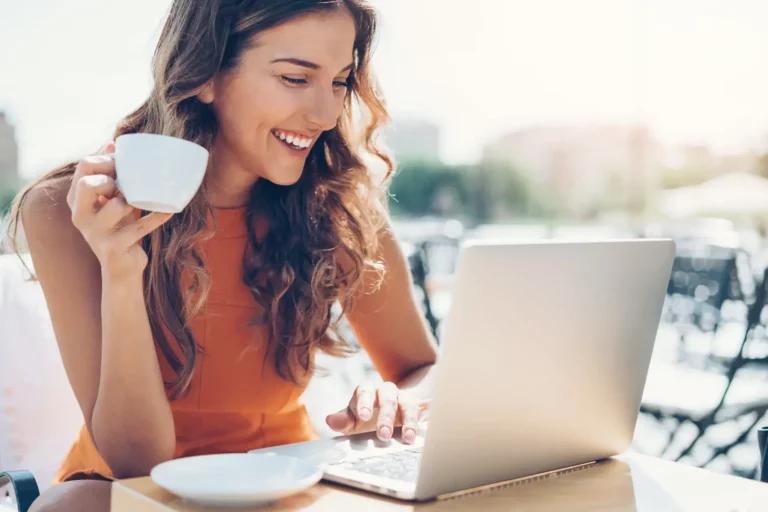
column 295, row 141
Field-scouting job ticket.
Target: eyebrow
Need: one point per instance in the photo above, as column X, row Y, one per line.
column 306, row 64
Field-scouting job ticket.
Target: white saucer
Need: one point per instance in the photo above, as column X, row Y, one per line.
column 236, row 480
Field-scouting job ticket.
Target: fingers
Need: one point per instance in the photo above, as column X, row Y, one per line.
column 364, row 402
column 88, row 190
column 135, row 231
column 385, row 408
column 108, row 148
column 113, row 212
column 359, row 411
column 90, row 166
column 387, row 397
column 96, row 164
column 410, row 412
column 342, row 421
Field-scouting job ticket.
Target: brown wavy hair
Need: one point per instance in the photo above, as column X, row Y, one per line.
column 332, row 215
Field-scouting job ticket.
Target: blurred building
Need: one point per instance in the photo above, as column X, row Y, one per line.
column 585, row 166
column 413, row 140
column 708, row 163
column 9, row 156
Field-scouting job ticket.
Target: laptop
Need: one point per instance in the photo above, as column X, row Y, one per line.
column 543, row 361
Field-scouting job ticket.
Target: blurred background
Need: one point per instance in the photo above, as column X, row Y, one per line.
column 511, row 119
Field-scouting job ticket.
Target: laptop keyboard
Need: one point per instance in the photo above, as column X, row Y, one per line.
column 402, row 466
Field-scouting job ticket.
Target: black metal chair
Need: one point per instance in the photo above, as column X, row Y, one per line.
column 724, row 410
column 418, row 260
column 439, row 251
column 704, row 279
column 762, row 441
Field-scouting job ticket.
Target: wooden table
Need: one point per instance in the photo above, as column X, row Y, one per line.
column 629, row 482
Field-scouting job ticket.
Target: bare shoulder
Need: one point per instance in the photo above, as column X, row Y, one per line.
column 46, row 221
column 44, row 210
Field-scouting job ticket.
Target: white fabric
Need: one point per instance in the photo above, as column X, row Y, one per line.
column 39, row 416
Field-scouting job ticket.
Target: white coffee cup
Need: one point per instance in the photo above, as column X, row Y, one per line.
column 158, row 173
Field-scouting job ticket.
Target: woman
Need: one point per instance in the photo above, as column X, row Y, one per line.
column 196, row 333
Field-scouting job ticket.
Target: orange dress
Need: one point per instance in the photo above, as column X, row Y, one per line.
column 236, row 401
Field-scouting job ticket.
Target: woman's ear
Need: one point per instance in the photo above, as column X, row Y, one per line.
column 206, row 93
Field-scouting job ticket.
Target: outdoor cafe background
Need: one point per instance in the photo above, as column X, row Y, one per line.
column 513, row 119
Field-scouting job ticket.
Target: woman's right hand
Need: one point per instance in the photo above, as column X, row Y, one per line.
column 106, row 221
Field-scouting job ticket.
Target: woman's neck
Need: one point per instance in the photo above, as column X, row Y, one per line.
column 228, row 184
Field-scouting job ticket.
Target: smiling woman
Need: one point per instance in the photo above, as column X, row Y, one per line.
column 307, row 85
column 197, row 333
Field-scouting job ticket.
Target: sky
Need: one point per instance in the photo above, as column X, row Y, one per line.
column 694, row 71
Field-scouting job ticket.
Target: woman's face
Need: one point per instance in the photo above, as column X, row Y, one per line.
column 288, row 88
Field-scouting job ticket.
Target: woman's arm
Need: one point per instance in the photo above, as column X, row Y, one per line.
column 388, row 322
column 100, row 322
column 390, row 327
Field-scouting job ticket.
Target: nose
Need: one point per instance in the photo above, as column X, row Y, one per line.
column 324, row 109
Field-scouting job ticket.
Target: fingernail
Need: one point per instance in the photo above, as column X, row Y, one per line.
column 385, row 433
column 409, row 436
column 365, row 414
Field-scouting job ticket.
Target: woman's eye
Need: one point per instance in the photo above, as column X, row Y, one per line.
column 342, row 83
column 293, row 81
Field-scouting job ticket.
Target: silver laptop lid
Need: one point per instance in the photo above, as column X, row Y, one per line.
column 544, row 358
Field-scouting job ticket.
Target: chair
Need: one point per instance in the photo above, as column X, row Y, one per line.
column 762, row 441
column 419, row 266
column 704, row 280
column 18, row 490
column 436, row 251
column 730, row 403
column 34, row 390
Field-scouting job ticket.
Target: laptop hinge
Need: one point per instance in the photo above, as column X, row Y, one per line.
column 516, row 481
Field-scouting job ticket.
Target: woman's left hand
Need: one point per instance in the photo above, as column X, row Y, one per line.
column 380, row 408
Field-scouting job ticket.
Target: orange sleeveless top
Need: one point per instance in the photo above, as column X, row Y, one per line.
column 236, row 401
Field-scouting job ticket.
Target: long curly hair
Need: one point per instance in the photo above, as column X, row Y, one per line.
column 333, row 213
